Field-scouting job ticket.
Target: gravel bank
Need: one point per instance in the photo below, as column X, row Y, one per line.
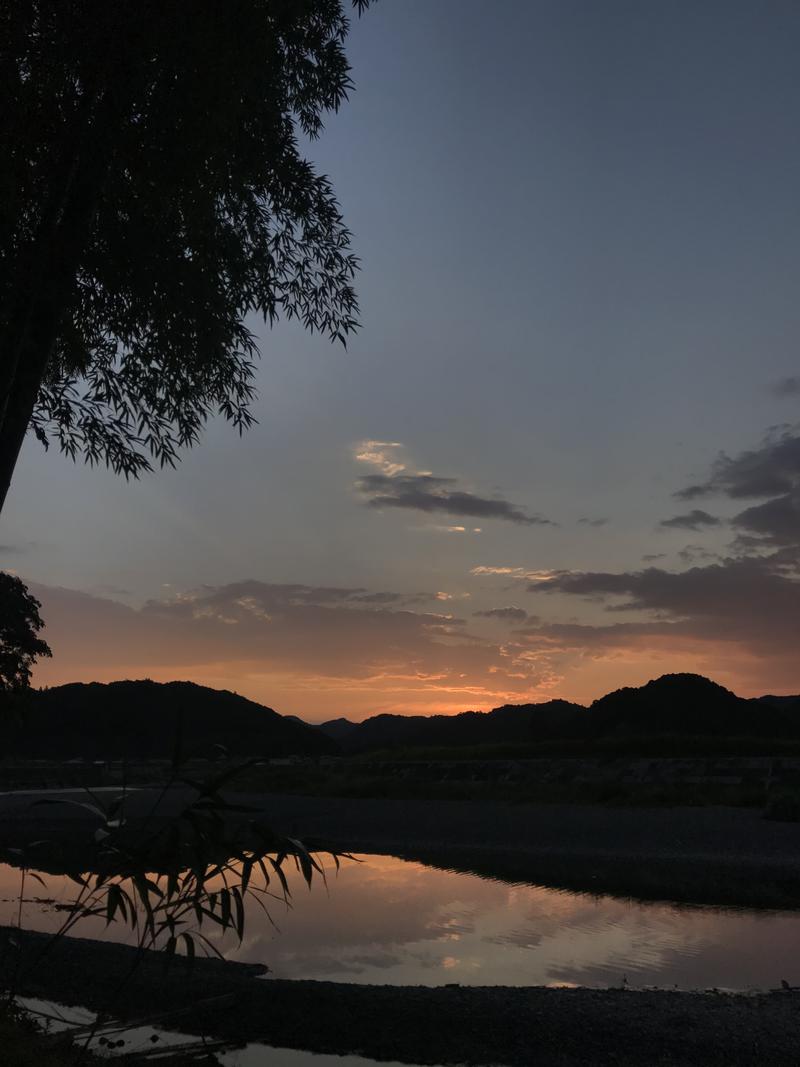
column 447, row 1025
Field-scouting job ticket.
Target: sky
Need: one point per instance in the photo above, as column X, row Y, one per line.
column 562, row 455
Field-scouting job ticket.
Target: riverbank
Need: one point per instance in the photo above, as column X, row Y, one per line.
column 507, row 1026
column 713, row 855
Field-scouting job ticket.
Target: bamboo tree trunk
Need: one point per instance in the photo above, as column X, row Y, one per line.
column 47, row 290
column 32, row 270
column 30, row 343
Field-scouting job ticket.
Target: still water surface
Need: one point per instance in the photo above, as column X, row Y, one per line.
column 386, row 920
column 56, row 1017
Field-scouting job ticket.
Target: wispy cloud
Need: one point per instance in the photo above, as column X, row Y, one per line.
column 697, row 519
column 396, row 486
column 521, row 573
column 380, row 454
column 434, row 528
column 311, row 650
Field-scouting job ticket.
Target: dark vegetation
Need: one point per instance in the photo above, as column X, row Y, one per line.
column 165, row 879
column 365, row 780
column 20, row 644
column 154, row 194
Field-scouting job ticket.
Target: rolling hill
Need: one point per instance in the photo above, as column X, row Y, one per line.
column 674, row 705
column 143, row 719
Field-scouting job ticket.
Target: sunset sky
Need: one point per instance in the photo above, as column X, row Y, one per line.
column 563, row 453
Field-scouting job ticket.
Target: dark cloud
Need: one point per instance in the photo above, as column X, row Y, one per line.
column 359, row 597
column 429, row 493
column 692, row 520
column 748, row 647
column 11, row 550
column 592, row 522
column 268, row 597
column 771, row 470
column 509, row 614
column 576, row 636
column 748, row 601
column 651, row 557
column 775, row 522
column 754, row 601
column 787, row 386
column 740, row 616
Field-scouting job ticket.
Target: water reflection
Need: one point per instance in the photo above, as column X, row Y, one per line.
column 57, row 1017
column 386, row 920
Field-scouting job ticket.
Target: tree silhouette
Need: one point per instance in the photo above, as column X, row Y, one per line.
column 20, row 624
column 153, row 195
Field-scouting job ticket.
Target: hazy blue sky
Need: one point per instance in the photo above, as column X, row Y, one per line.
column 579, row 226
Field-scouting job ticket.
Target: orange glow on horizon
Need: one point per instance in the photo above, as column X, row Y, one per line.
column 317, row 699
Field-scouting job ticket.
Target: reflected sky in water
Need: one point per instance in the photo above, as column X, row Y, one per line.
column 387, row 920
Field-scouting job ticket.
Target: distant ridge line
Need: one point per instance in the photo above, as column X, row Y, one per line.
column 674, row 705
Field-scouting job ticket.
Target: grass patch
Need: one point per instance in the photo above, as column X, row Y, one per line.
column 357, row 779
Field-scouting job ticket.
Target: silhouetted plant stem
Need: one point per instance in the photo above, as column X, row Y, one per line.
column 21, row 896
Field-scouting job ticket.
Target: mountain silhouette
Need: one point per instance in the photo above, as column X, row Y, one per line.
column 338, row 729
column 510, row 724
column 685, row 704
column 675, row 705
column 143, row 719
column 789, row 703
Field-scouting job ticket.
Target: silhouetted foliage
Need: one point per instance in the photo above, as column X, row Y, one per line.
column 153, row 195
column 20, row 645
column 194, row 869
column 167, row 880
